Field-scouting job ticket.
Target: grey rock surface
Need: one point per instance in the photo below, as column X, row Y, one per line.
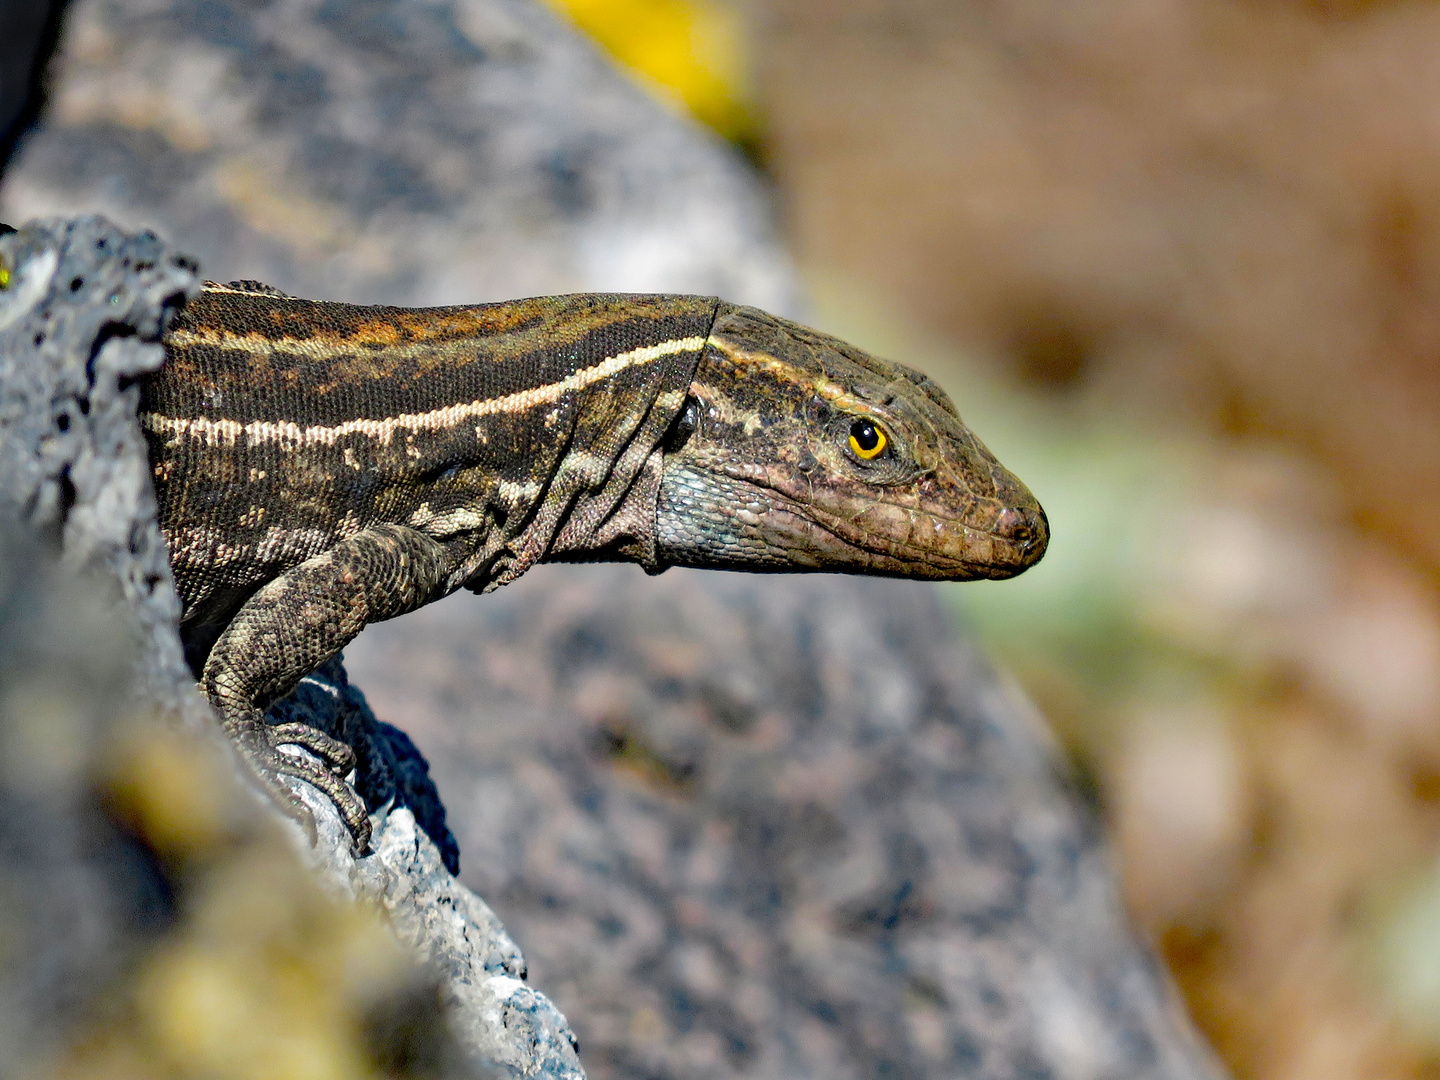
column 80, row 320
column 490, row 1004
column 428, row 152
column 119, row 873
column 513, row 1029
column 774, row 827
column 79, row 323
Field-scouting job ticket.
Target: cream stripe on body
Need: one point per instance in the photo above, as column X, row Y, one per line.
column 291, row 435
column 320, row 349
column 230, row 290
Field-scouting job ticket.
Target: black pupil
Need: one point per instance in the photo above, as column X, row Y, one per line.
column 865, row 435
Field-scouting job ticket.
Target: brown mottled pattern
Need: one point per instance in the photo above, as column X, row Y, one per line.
column 323, row 466
column 239, row 511
column 249, row 355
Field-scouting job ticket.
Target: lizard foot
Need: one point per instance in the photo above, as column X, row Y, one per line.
column 260, row 744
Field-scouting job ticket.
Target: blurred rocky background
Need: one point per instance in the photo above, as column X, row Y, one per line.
column 1180, row 260
column 1175, row 259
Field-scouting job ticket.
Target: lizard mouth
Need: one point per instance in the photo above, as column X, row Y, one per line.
column 706, row 518
column 924, row 544
column 1014, row 540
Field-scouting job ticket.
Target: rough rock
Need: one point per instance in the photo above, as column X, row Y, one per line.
column 80, row 322
column 158, row 921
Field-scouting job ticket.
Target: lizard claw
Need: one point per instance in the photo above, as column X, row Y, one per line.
column 260, row 744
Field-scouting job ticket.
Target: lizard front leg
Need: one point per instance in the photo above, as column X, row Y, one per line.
column 292, row 626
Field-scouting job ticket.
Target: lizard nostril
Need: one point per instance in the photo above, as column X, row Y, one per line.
column 1026, row 528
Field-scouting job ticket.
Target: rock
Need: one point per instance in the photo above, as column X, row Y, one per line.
column 774, row 827
column 79, row 323
column 157, row 919
column 505, row 1023
column 79, row 897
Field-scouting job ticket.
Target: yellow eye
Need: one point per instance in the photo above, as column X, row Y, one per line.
column 4, row 275
column 867, row 439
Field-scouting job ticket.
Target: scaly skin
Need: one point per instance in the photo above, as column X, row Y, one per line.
column 323, row 466
column 767, row 478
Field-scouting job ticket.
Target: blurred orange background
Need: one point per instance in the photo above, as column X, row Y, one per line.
column 1179, row 262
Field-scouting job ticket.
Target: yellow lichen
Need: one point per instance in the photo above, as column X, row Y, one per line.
column 689, row 51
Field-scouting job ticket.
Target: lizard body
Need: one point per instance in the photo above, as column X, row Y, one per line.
column 321, row 466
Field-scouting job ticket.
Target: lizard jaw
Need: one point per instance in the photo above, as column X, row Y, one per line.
column 709, row 518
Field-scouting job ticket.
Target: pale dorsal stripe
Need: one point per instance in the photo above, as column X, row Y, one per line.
column 230, row 290
column 291, row 435
column 319, row 349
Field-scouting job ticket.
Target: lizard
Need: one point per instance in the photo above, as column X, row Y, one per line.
column 319, row 466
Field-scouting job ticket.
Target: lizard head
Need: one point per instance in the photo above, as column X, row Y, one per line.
column 795, row 450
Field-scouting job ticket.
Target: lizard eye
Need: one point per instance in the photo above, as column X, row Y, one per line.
column 684, row 425
column 867, row 440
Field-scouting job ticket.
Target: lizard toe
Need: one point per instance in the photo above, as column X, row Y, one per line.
column 259, row 744
column 336, row 755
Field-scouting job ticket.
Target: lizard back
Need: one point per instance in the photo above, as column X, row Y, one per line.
column 279, row 426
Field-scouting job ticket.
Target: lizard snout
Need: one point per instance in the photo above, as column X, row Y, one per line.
column 1026, row 529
